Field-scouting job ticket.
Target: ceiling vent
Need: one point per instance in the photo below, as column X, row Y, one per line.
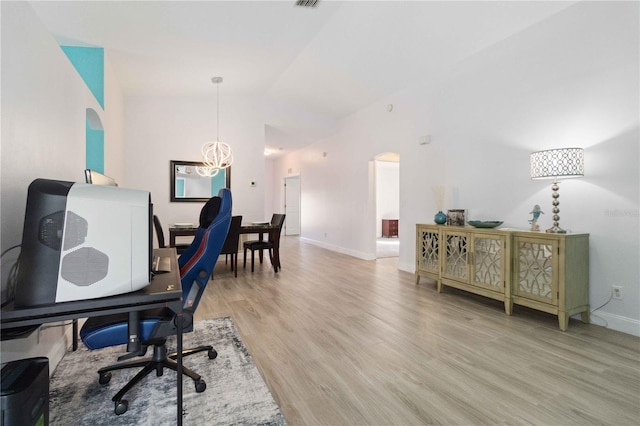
column 307, row 3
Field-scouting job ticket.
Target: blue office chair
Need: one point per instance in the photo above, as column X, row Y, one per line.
column 196, row 265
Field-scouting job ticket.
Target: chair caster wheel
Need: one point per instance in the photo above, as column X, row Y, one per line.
column 212, row 354
column 200, row 386
column 104, row 378
column 121, row 406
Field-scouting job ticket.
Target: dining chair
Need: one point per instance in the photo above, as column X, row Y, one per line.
column 230, row 247
column 260, row 245
column 180, row 248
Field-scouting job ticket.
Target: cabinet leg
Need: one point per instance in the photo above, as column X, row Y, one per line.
column 417, row 278
column 439, row 286
column 563, row 321
column 586, row 316
column 508, row 306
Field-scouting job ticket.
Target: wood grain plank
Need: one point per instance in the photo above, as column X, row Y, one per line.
column 342, row 341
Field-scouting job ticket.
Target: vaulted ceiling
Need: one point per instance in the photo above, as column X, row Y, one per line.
column 327, row 61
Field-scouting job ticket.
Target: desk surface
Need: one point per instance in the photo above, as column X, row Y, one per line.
column 162, row 289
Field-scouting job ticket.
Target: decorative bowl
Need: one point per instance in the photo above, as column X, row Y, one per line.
column 485, row 223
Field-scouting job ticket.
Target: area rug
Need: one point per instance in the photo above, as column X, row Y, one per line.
column 236, row 394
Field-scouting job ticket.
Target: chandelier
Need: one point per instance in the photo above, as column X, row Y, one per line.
column 215, row 155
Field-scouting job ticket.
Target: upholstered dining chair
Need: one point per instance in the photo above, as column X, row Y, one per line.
column 180, row 248
column 230, row 247
column 260, row 245
column 196, row 265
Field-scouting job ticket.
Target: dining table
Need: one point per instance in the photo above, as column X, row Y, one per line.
column 259, row 228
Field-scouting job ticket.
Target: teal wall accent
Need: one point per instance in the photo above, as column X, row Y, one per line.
column 89, row 62
column 218, row 181
column 179, row 187
column 94, row 148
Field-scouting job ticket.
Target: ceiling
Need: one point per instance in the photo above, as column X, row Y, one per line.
column 326, row 62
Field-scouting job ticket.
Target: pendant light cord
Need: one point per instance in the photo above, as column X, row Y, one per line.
column 218, row 111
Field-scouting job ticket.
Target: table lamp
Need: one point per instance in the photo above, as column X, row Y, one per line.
column 556, row 164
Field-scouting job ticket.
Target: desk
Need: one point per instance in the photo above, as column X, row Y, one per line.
column 165, row 290
column 272, row 230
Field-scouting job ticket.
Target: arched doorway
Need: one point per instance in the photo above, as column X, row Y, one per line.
column 387, row 194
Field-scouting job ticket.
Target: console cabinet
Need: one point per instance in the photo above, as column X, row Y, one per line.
column 547, row 272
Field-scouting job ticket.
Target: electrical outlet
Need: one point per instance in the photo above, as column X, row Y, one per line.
column 617, row 291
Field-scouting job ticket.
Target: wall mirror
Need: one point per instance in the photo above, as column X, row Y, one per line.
column 187, row 185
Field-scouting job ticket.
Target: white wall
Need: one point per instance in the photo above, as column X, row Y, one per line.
column 271, row 188
column 161, row 129
column 113, row 122
column 43, row 112
column 571, row 80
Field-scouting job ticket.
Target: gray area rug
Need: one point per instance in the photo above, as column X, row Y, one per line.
column 236, row 393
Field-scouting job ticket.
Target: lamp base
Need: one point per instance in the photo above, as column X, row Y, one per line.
column 555, row 229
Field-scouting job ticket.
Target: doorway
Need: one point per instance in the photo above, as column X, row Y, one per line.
column 291, row 201
column 387, row 193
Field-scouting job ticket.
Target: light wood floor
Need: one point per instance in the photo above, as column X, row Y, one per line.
column 341, row 341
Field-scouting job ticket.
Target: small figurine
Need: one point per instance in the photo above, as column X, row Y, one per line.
column 536, row 214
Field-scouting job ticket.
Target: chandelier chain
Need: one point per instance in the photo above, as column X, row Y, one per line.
column 217, row 111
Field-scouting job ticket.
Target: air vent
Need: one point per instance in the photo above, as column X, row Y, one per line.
column 307, row 3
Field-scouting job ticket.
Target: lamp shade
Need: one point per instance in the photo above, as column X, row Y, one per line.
column 557, row 163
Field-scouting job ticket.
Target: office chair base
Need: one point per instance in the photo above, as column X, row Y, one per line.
column 158, row 362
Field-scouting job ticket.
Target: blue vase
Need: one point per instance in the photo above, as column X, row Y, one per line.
column 440, row 218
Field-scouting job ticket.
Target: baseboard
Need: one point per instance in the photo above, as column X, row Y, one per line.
column 51, row 340
column 354, row 253
column 616, row 322
column 407, row 267
column 58, row 350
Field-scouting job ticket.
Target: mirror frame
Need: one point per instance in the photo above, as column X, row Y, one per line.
column 172, row 183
